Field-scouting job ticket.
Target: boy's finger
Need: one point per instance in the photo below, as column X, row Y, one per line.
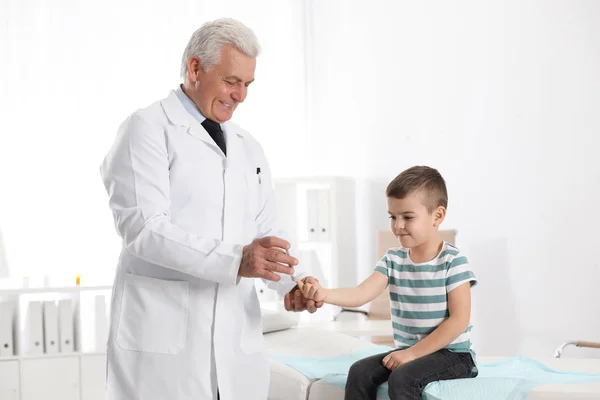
column 305, row 289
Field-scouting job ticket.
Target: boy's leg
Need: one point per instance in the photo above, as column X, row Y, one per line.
column 364, row 377
column 408, row 381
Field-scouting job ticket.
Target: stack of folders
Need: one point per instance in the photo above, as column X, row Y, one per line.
column 49, row 327
column 7, row 324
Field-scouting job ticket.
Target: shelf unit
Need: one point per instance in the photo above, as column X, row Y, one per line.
column 319, row 214
column 74, row 375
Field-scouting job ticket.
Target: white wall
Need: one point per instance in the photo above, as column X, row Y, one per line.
column 71, row 72
column 502, row 98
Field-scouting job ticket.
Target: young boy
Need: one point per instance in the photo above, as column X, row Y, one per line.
column 430, row 296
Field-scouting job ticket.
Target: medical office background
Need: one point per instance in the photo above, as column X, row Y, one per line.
column 503, row 97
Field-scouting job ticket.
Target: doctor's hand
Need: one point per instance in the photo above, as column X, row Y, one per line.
column 265, row 256
column 296, row 301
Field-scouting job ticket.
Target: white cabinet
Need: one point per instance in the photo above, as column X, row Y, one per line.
column 50, row 378
column 79, row 376
column 9, row 380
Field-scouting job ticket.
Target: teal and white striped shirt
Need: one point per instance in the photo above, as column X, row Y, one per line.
column 419, row 293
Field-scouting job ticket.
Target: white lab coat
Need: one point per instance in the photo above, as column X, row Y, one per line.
column 182, row 322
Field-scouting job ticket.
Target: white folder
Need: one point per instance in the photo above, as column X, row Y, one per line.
column 6, row 329
column 65, row 326
column 312, row 209
column 323, row 215
column 50, row 327
column 34, row 332
column 100, row 323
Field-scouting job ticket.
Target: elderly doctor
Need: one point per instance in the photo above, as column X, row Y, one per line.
column 192, row 200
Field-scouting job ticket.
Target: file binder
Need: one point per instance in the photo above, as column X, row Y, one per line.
column 34, row 332
column 65, row 326
column 50, row 327
column 6, row 329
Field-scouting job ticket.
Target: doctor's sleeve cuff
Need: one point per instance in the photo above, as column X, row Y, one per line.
column 285, row 286
column 226, row 266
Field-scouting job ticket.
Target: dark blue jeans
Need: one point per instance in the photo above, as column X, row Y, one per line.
column 407, row 381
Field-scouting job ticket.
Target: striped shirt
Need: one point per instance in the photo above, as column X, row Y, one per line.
column 419, row 293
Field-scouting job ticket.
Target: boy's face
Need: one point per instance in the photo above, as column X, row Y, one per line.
column 410, row 221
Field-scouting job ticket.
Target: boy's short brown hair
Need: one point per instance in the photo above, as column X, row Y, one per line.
column 425, row 181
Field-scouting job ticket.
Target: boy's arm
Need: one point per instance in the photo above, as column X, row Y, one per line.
column 359, row 295
column 459, row 308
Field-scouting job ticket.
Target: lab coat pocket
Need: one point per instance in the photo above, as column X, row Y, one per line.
column 252, row 335
column 154, row 315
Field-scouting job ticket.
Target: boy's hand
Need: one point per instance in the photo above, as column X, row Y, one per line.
column 398, row 358
column 296, row 302
column 313, row 291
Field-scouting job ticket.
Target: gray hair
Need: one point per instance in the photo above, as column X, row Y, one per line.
column 206, row 42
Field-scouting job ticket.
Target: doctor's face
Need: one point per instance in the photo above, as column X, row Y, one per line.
column 218, row 91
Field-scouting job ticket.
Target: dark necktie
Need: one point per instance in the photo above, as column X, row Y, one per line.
column 215, row 132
